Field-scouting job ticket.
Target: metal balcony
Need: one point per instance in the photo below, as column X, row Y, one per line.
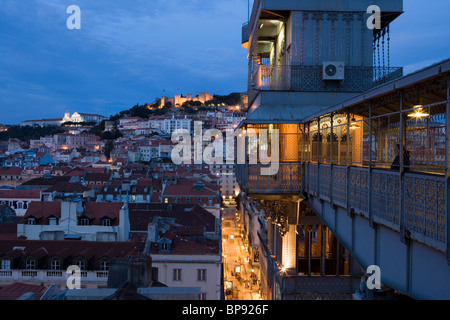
column 309, row 78
column 287, row 181
column 376, row 195
column 318, row 287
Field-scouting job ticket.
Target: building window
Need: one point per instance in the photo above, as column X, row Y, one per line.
column 31, row 221
column 164, row 247
column 176, row 274
column 30, row 264
column 201, row 274
column 199, row 201
column 188, row 200
column 5, row 265
column 104, row 266
column 81, row 264
column 106, row 222
column 84, row 222
column 53, row 221
column 55, row 265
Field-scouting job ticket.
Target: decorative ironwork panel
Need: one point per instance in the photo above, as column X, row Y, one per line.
column 359, row 190
column 313, row 176
column 325, row 181
column 310, row 78
column 386, row 198
column 340, row 186
column 425, row 214
column 253, row 176
column 441, row 212
column 292, row 176
column 287, row 180
column 241, row 175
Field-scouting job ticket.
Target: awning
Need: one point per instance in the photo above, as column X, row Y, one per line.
column 270, row 114
column 72, row 237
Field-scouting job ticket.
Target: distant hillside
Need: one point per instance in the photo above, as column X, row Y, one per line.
column 29, row 133
column 190, row 107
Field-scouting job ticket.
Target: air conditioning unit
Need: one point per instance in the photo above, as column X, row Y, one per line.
column 333, row 71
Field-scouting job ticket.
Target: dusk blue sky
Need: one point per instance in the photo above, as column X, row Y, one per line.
column 129, row 52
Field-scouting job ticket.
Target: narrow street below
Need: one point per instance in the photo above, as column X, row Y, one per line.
column 241, row 279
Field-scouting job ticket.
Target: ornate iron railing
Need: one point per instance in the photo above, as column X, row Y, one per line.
column 377, row 195
column 288, row 180
column 358, row 190
column 425, row 212
column 386, row 194
column 302, row 287
column 310, row 78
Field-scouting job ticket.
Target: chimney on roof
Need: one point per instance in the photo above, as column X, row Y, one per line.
column 152, row 232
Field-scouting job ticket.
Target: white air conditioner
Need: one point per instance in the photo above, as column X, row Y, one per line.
column 333, row 71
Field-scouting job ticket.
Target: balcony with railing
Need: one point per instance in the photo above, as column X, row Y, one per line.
column 50, row 276
column 318, row 287
column 287, row 181
column 377, row 195
column 284, row 176
column 350, row 156
column 310, row 78
column 306, row 287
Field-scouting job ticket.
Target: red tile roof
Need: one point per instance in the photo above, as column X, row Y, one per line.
column 8, row 231
column 79, row 172
column 67, row 187
column 187, row 188
column 184, row 245
column 142, row 214
column 91, row 176
column 11, row 171
column 95, row 211
column 46, row 181
column 42, row 210
column 17, row 289
column 98, row 210
column 68, row 250
column 20, row 194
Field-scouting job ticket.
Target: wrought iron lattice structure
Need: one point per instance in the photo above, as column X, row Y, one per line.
column 351, row 156
column 309, row 78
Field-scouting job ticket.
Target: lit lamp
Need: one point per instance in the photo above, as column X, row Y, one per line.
column 419, row 113
column 353, row 124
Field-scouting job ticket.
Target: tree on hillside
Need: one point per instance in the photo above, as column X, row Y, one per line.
column 109, row 147
column 28, row 133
